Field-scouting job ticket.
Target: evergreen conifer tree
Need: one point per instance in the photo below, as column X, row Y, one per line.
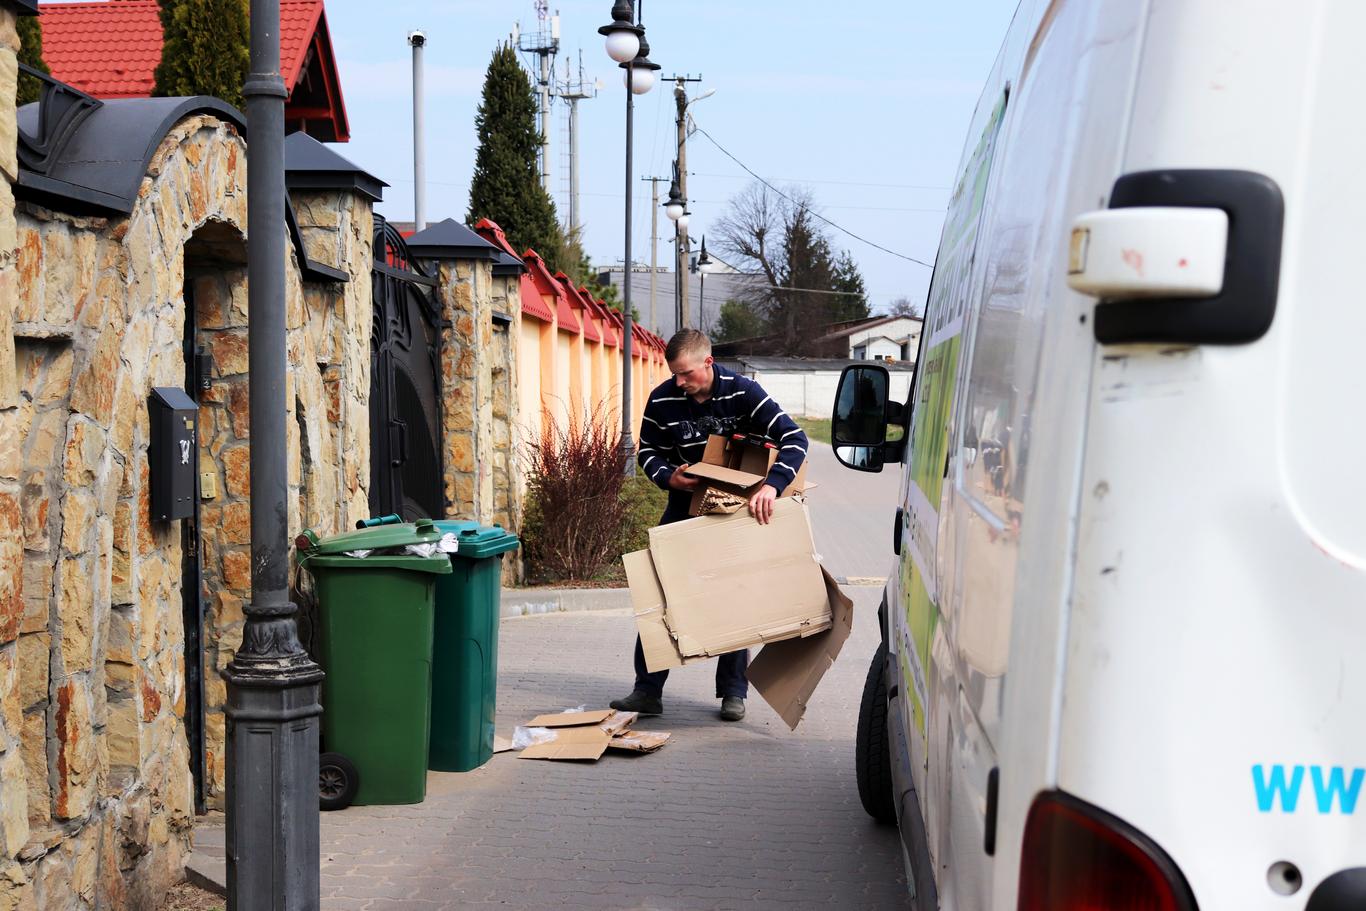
column 506, row 186
column 853, row 304
column 30, row 52
column 204, row 49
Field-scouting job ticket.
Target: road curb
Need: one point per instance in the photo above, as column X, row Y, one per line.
column 530, row 602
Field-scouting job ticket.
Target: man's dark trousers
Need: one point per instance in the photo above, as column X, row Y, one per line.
column 731, row 679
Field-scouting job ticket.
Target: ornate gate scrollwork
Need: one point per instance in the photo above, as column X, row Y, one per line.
column 405, row 384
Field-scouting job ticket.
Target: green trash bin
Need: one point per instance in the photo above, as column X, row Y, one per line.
column 375, row 616
column 465, row 652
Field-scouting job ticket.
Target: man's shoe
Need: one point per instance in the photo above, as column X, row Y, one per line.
column 732, row 708
column 644, row 703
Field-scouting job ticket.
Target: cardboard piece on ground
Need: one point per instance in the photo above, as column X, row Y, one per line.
column 787, row 673
column 729, row 582
column 618, row 722
column 569, row 719
column 639, row 741
column 501, row 744
column 586, row 742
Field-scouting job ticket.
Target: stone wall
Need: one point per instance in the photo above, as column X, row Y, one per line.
column 96, row 796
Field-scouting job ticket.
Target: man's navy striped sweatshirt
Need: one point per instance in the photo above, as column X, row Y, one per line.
column 675, row 428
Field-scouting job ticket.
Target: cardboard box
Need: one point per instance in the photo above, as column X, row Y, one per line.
column 733, row 466
column 717, row 584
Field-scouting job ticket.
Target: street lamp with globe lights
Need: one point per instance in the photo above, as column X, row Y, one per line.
column 623, row 35
column 702, row 266
column 676, row 208
column 626, row 44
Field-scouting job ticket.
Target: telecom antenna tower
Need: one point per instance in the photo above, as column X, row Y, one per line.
column 542, row 44
column 573, row 90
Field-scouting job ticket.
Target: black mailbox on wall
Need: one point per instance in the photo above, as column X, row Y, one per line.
column 172, row 453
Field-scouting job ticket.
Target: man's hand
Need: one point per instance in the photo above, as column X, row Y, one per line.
column 679, row 481
column 761, row 504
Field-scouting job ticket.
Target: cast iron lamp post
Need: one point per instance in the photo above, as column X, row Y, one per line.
column 703, row 266
column 273, row 685
column 626, row 44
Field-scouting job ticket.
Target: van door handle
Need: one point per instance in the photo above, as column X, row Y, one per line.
column 896, row 530
column 1168, row 212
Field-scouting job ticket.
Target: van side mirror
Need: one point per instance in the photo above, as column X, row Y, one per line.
column 858, row 427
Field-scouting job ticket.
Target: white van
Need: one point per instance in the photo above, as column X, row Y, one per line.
column 1124, row 659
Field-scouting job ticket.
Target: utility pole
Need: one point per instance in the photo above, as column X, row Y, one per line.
column 654, row 245
column 544, row 44
column 681, row 245
column 574, row 91
column 273, row 686
column 418, row 40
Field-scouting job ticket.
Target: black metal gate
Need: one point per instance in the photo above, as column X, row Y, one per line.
column 405, row 384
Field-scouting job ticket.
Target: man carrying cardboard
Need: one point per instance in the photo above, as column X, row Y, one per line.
column 701, row 399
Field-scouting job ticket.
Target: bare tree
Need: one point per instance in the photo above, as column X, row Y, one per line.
column 776, row 236
column 903, row 306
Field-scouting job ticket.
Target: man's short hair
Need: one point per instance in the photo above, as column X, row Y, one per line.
column 687, row 341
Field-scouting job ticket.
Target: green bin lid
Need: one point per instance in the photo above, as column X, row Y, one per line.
column 477, row 541
column 423, row 531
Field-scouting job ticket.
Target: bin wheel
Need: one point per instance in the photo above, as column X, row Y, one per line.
column 338, row 781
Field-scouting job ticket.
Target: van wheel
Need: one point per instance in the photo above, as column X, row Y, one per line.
column 338, row 781
column 872, row 752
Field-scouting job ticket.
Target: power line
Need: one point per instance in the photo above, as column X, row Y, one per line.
column 837, row 183
column 814, row 214
column 722, row 202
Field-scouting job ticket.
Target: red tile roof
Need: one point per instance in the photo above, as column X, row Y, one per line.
column 532, row 304
column 547, row 285
column 589, row 326
column 111, row 49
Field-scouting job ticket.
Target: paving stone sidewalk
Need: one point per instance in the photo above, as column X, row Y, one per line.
column 747, row 815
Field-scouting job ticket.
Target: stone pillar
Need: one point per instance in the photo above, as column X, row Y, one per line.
column 14, row 830
column 465, row 289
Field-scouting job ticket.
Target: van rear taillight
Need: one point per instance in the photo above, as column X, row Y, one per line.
column 1079, row 858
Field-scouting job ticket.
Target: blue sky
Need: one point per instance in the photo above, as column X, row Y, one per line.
column 869, row 113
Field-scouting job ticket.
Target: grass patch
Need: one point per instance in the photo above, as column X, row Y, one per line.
column 817, row 429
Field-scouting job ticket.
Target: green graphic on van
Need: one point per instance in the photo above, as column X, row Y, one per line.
column 931, row 417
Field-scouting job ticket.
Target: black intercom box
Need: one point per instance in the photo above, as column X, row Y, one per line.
column 172, row 453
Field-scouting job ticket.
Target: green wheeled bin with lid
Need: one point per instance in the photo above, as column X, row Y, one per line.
column 465, row 652
column 376, row 619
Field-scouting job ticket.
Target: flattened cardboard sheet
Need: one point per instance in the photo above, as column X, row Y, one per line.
column 729, row 582
column 647, row 601
column 587, row 742
column 569, row 719
column 786, row 673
